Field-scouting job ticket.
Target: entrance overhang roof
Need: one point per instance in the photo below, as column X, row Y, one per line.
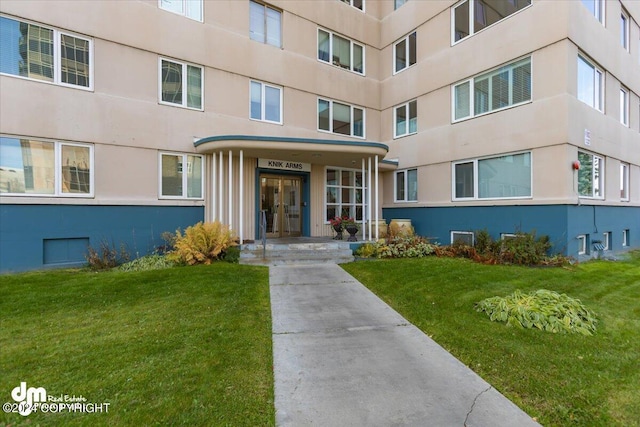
column 315, row 151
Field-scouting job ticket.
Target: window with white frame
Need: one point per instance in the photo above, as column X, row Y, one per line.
column 345, row 193
column 398, row 3
column 462, row 238
column 404, row 53
column 42, row 168
column 624, row 182
column 590, row 176
column 504, row 87
column 624, row 30
column 405, row 119
column 625, row 238
column 500, row 177
column 358, row 4
column 509, row 236
column 340, row 118
column 189, row 8
column 606, row 241
column 582, row 244
column 407, row 185
column 470, row 16
column 181, row 176
column 596, row 8
column 45, row 54
column 340, row 51
column 265, row 24
column 266, row 102
column 624, row 106
column 181, row 84
column 590, row 84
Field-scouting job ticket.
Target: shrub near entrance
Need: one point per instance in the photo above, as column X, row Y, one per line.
column 399, row 247
column 202, row 243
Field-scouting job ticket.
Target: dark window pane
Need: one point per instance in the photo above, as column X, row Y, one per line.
column 461, row 19
column 323, row 115
column 464, row 180
column 401, row 55
column 400, row 186
column 171, row 82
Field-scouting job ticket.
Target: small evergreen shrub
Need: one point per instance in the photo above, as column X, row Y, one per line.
column 148, row 262
column 106, row 256
column 232, row 255
column 541, row 309
column 202, row 243
column 484, row 243
column 525, row 249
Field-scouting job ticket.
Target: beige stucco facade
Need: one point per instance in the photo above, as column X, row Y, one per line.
column 122, row 117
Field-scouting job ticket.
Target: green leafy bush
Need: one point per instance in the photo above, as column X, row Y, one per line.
column 368, row 250
column 106, row 256
column 148, row 262
column 406, row 247
column 398, row 247
column 541, row 309
column 202, row 243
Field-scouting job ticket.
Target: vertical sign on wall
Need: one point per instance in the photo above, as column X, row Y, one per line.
column 587, row 137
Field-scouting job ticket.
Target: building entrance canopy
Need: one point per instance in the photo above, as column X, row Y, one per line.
column 338, row 153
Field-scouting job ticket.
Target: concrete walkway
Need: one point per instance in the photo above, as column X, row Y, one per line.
column 342, row 357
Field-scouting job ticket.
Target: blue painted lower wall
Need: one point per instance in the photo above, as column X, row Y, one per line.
column 562, row 223
column 43, row 236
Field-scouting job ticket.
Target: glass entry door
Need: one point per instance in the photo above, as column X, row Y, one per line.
column 281, row 200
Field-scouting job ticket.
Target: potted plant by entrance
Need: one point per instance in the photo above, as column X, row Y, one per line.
column 336, row 223
column 352, row 228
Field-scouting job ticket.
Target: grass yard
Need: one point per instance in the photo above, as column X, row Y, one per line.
column 561, row 379
column 181, row 346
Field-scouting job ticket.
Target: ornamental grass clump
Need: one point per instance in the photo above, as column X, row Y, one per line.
column 541, row 309
column 106, row 256
column 202, row 243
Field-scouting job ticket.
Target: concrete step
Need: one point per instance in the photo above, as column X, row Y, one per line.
column 296, row 253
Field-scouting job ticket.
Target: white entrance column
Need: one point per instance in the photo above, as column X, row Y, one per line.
column 214, row 160
column 369, row 197
column 377, row 193
column 230, row 198
column 241, row 201
column 364, row 203
column 220, row 187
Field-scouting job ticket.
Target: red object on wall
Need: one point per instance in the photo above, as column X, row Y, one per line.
column 576, row 165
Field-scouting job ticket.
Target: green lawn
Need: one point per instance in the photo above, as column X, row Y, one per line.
column 562, row 380
column 182, row 346
column 192, row 345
